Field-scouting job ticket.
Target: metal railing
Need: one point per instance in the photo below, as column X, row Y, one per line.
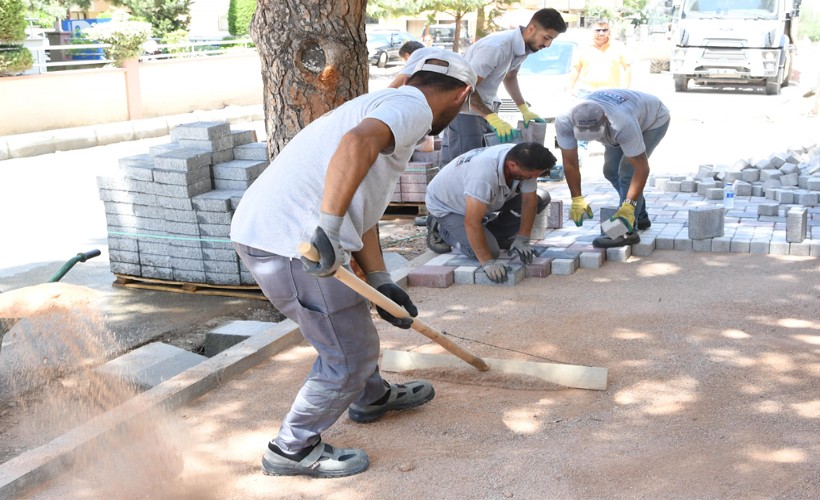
column 93, row 54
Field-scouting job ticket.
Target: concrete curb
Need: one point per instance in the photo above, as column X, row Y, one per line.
column 50, row 141
column 52, row 459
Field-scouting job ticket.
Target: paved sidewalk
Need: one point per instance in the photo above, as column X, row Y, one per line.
column 50, row 141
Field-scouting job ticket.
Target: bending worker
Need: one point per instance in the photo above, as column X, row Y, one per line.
column 495, row 59
column 630, row 124
column 485, row 201
column 331, row 185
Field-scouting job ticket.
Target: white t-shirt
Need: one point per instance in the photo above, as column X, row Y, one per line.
column 492, row 57
column 478, row 174
column 281, row 208
column 630, row 114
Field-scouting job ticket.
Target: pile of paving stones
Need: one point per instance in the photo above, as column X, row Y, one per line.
column 169, row 212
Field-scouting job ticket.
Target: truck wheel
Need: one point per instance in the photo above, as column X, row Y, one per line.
column 773, row 84
column 656, row 66
column 382, row 62
column 787, row 69
column 681, row 83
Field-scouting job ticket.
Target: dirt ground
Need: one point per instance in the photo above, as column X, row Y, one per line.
column 713, row 392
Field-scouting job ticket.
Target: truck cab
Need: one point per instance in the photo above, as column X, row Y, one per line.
column 734, row 42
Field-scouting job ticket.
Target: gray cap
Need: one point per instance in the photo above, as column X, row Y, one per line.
column 456, row 67
column 588, row 121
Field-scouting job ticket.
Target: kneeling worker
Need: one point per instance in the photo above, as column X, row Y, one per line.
column 486, row 200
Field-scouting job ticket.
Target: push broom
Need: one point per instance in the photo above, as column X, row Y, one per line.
column 575, row 376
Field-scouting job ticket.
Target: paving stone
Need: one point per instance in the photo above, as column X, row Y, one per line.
column 540, row 267
column 222, row 278
column 665, row 242
column 232, row 333
column 619, row 254
column 742, row 189
column 464, row 275
column 715, row 193
column 254, row 151
column 813, row 184
column 683, row 243
column 604, row 214
column 239, row 170
column 645, row 248
column 796, row 225
column 815, row 248
column 515, row 273
column 189, row 276
column 740, row 245
column 807, row 199
column 770, row 174
column 149, row 365
column 783, row 196
column 563, row 266
column 704, row 187
column 788, row 180
column 759, row 246
column 443, row 260
column 555, row 214
column 751, row 175
column 706, row 222
column 201, row 130
column 181, row 160
column 770, row 209
column 704, row 245
column 688, row 186
column 722, row 244
column 431, row 276
column 591, row 260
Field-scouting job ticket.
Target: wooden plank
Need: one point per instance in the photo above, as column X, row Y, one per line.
column 575, row 376
column 236, row 291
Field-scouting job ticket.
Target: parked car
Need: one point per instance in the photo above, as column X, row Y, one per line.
column 383, row 46
column 543, row 78
column 443, row 35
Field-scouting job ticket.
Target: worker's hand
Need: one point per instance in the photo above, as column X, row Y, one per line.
column 326, row 239
column 521, row 244
column 381, row 281
column 626, row 214
column 529, row 116
column 495, row 270
column 578, row 209
column 502, row 129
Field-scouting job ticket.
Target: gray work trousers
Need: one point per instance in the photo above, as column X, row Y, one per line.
column 336, row 321
column 498, row 228
column 465, row 133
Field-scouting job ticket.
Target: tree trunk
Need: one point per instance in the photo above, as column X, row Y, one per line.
column 314, row 58
column 457, row 32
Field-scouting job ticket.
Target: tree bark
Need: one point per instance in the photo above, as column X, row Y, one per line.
column 314, row 58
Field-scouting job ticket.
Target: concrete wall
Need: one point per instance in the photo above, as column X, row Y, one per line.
column 34, row 103
column 62, row 99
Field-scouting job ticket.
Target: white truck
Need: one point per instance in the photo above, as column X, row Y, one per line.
column 734, row 42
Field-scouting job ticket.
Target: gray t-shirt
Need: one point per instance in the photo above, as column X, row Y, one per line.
column 281, row 208
column 492, row 57
column 478, row 174
column 630, row 114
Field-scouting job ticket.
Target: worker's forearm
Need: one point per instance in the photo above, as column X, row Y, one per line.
column 478, row 241
column 370, row 257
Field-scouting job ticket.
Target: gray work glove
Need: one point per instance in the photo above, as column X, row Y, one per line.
column 521, row 244
column 326, row 239
column 495, row 270
column 381, row 281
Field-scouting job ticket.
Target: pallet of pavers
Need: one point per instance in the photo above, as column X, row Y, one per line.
column 169, row 211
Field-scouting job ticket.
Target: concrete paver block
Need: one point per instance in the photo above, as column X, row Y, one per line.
column 619, row 254
column 540, row 267
column 683, row 243
column 645, row 247
column 555, row 214
column 759, row 246
column 740, row 245
column 722, row 244
column 704, row 245
column 604, row 214
column 801, row 249
column 202, row 131
column 613, row 229
column 181, row 159
column 464, row 275
column 714, row 193
column 768, row 209
column 254, row 151
column 788, row 180
column 431, row 276
column 706, row 222
column 796, row 224
column 515, row 273
column 149, row 365
column 591, row 260
column 806, row 199
column 564, row 267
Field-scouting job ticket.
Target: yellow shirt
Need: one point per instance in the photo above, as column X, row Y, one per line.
column 601, row 67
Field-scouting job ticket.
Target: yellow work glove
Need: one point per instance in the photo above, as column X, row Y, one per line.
column 626, row 214
column 502, row 129
column 578, row 209
column 528, row 115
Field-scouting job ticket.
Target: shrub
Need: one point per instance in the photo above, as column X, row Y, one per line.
column 125, row 37
column 12, row 21
column 240, row 13
column 14, row 59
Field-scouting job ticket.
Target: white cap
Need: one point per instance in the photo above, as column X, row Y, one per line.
column 456, row 67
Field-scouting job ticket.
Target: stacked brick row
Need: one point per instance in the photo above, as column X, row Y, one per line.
column 413, row 183
column 169, row 211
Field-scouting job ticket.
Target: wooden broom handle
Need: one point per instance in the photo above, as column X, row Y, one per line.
column 378, row 298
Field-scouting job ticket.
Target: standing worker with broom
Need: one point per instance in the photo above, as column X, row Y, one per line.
column 330, row 185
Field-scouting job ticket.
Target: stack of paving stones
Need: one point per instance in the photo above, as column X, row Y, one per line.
column 169, row 211
column 687, row 214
